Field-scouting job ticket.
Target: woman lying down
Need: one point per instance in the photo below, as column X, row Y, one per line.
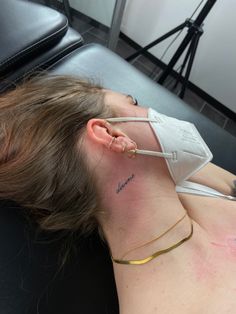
column 81, row 158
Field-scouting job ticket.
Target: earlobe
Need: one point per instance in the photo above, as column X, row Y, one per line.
column 122, row 144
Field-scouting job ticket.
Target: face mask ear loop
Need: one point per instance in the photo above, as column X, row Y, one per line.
column 172, row 155
column 153, row 153
column 130, row 119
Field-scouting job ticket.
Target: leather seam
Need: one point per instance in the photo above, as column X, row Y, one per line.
column 39, row 65
column 36, row 45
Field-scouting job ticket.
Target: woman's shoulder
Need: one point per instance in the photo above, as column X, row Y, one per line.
column 217, row 178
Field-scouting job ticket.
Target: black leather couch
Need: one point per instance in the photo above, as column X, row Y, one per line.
column 32, row 38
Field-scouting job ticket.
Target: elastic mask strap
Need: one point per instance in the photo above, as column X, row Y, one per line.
column 172, row 155
column 130, row 119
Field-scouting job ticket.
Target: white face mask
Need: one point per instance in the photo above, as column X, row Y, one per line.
column 182, row 146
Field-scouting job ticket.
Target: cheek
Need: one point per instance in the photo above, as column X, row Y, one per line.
column 141, row 133
column 135, row 111
column 141, row 111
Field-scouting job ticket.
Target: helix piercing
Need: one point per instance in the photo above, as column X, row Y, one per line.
column 111, row 142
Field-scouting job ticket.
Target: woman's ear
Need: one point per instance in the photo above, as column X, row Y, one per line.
column 102, row 132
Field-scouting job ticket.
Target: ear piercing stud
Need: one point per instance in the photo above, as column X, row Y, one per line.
column 132, row 152
column 124, row 147
column 111, row 142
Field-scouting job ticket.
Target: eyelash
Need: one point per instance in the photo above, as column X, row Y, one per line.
column 135, row 102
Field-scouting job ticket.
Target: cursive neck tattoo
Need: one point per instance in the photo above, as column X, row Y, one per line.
column 122, row 185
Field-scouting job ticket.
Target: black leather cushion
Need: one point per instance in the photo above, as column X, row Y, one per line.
column 30, row 279
column 26, row 29
column 65, row 45
column 113, row 72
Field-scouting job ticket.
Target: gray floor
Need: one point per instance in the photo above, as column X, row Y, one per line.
column 92, row 34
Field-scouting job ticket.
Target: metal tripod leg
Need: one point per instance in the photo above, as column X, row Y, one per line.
column 67, row 10
column 193, row 48
column 158, row 40
column 177, row 55
column 183, row 67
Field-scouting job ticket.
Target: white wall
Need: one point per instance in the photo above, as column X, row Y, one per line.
column 214, row 68
column 99, row 10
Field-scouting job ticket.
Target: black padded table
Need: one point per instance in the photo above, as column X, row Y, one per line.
column 32, row 37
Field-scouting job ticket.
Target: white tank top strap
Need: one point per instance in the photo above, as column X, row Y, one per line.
column 199, row 189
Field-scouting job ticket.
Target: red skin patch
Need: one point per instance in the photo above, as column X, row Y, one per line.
column 231, row 242
column 228, row 247
column 203, row 267
column 207, row 267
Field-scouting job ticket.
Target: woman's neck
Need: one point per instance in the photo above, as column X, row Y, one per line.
column 140, row 212
column 140, row 207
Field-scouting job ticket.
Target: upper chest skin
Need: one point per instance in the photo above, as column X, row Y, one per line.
column 204, row 279
column 200, row 279
column 216, row 216
column 210, row 279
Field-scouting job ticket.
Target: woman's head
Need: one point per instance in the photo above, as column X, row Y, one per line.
column 42, row 164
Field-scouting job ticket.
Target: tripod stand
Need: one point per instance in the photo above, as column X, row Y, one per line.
column 192, row 39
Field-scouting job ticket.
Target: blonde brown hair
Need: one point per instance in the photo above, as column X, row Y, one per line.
column 41, row 165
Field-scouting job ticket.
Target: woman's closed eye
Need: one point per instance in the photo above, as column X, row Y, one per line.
column 134, row 100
